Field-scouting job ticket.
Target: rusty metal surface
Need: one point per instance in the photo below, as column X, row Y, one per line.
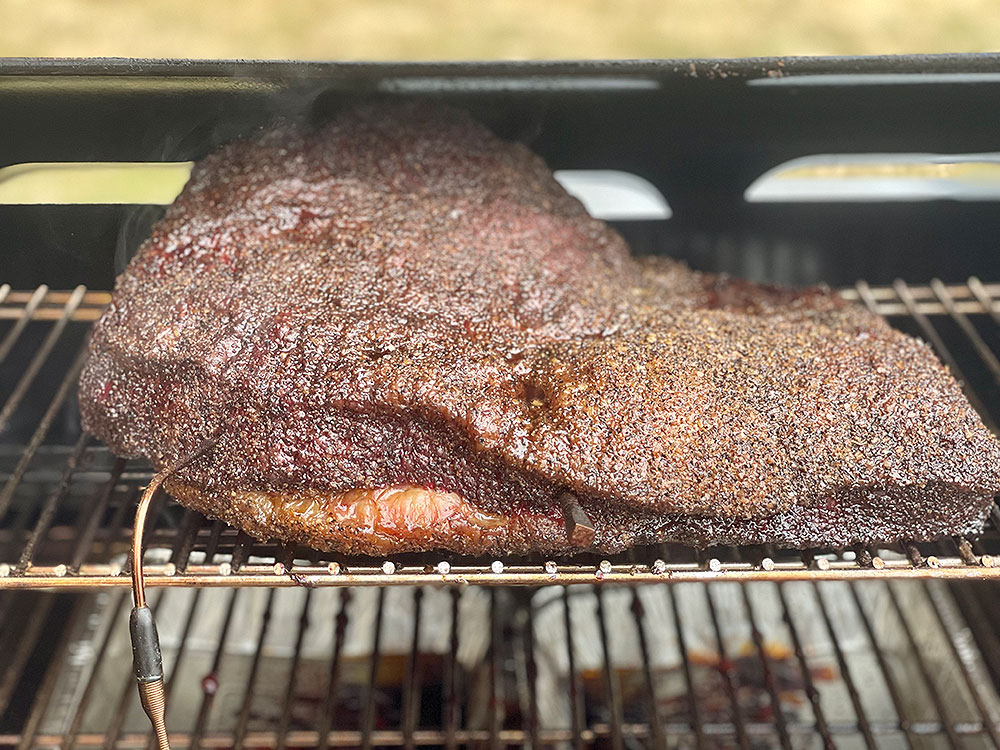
column 521, row 575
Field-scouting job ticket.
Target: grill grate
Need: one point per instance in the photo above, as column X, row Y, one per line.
column 66, row 504
column 871, row 664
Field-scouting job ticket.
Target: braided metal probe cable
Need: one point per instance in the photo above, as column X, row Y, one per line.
column 147, row 662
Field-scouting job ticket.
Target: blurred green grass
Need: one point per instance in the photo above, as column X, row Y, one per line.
column 492, row 29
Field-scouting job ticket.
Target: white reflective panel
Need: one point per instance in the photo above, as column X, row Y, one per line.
column 880, row 177
column 150, row 183
column 605, row 193
column 613, row 195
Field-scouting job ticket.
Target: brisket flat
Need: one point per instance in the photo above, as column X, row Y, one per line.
column 402, row 334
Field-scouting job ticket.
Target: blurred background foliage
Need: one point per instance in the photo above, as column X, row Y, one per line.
column 491, row 29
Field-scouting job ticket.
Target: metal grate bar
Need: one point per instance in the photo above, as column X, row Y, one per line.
column 240, row 736
column 905, row 722
column 174, row 669
column 638, row 612
column 928, row 330
column 575, row 689
column 982, row 621
column 612, row 689
column 866, row 295
column 241, row 550
column 928, row 680
column 727, row 671
column 263, row 575
column 368, row 720
column 450, row 682
column 86, row 536
column 117, row 610
column 810, row 689
column 7, row 635
column 49, row 508
column 984, row 294
column 117, row 526
column 845, row 672
column 975, row 690
column 186, row 534
column 981, row 347
column 23, row 317
column 527, row 632
column 964, row 550
column 26, row 643
column 210, row 683
column 333, row 675
column 35, row 366
column 693, row 707
column 49, row 683
column 212, row 546
column 411, row 691
column 68, row 383
column 496, row 703
column 286, row 711
column 765, row 662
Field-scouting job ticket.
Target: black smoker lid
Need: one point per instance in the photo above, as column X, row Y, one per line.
column 701, row 131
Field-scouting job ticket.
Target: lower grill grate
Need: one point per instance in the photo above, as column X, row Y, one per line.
column 798, row 664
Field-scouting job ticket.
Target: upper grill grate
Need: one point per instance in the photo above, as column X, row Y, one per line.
column 66, row 504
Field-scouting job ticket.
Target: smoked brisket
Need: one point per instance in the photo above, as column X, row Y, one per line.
column 398, row 332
